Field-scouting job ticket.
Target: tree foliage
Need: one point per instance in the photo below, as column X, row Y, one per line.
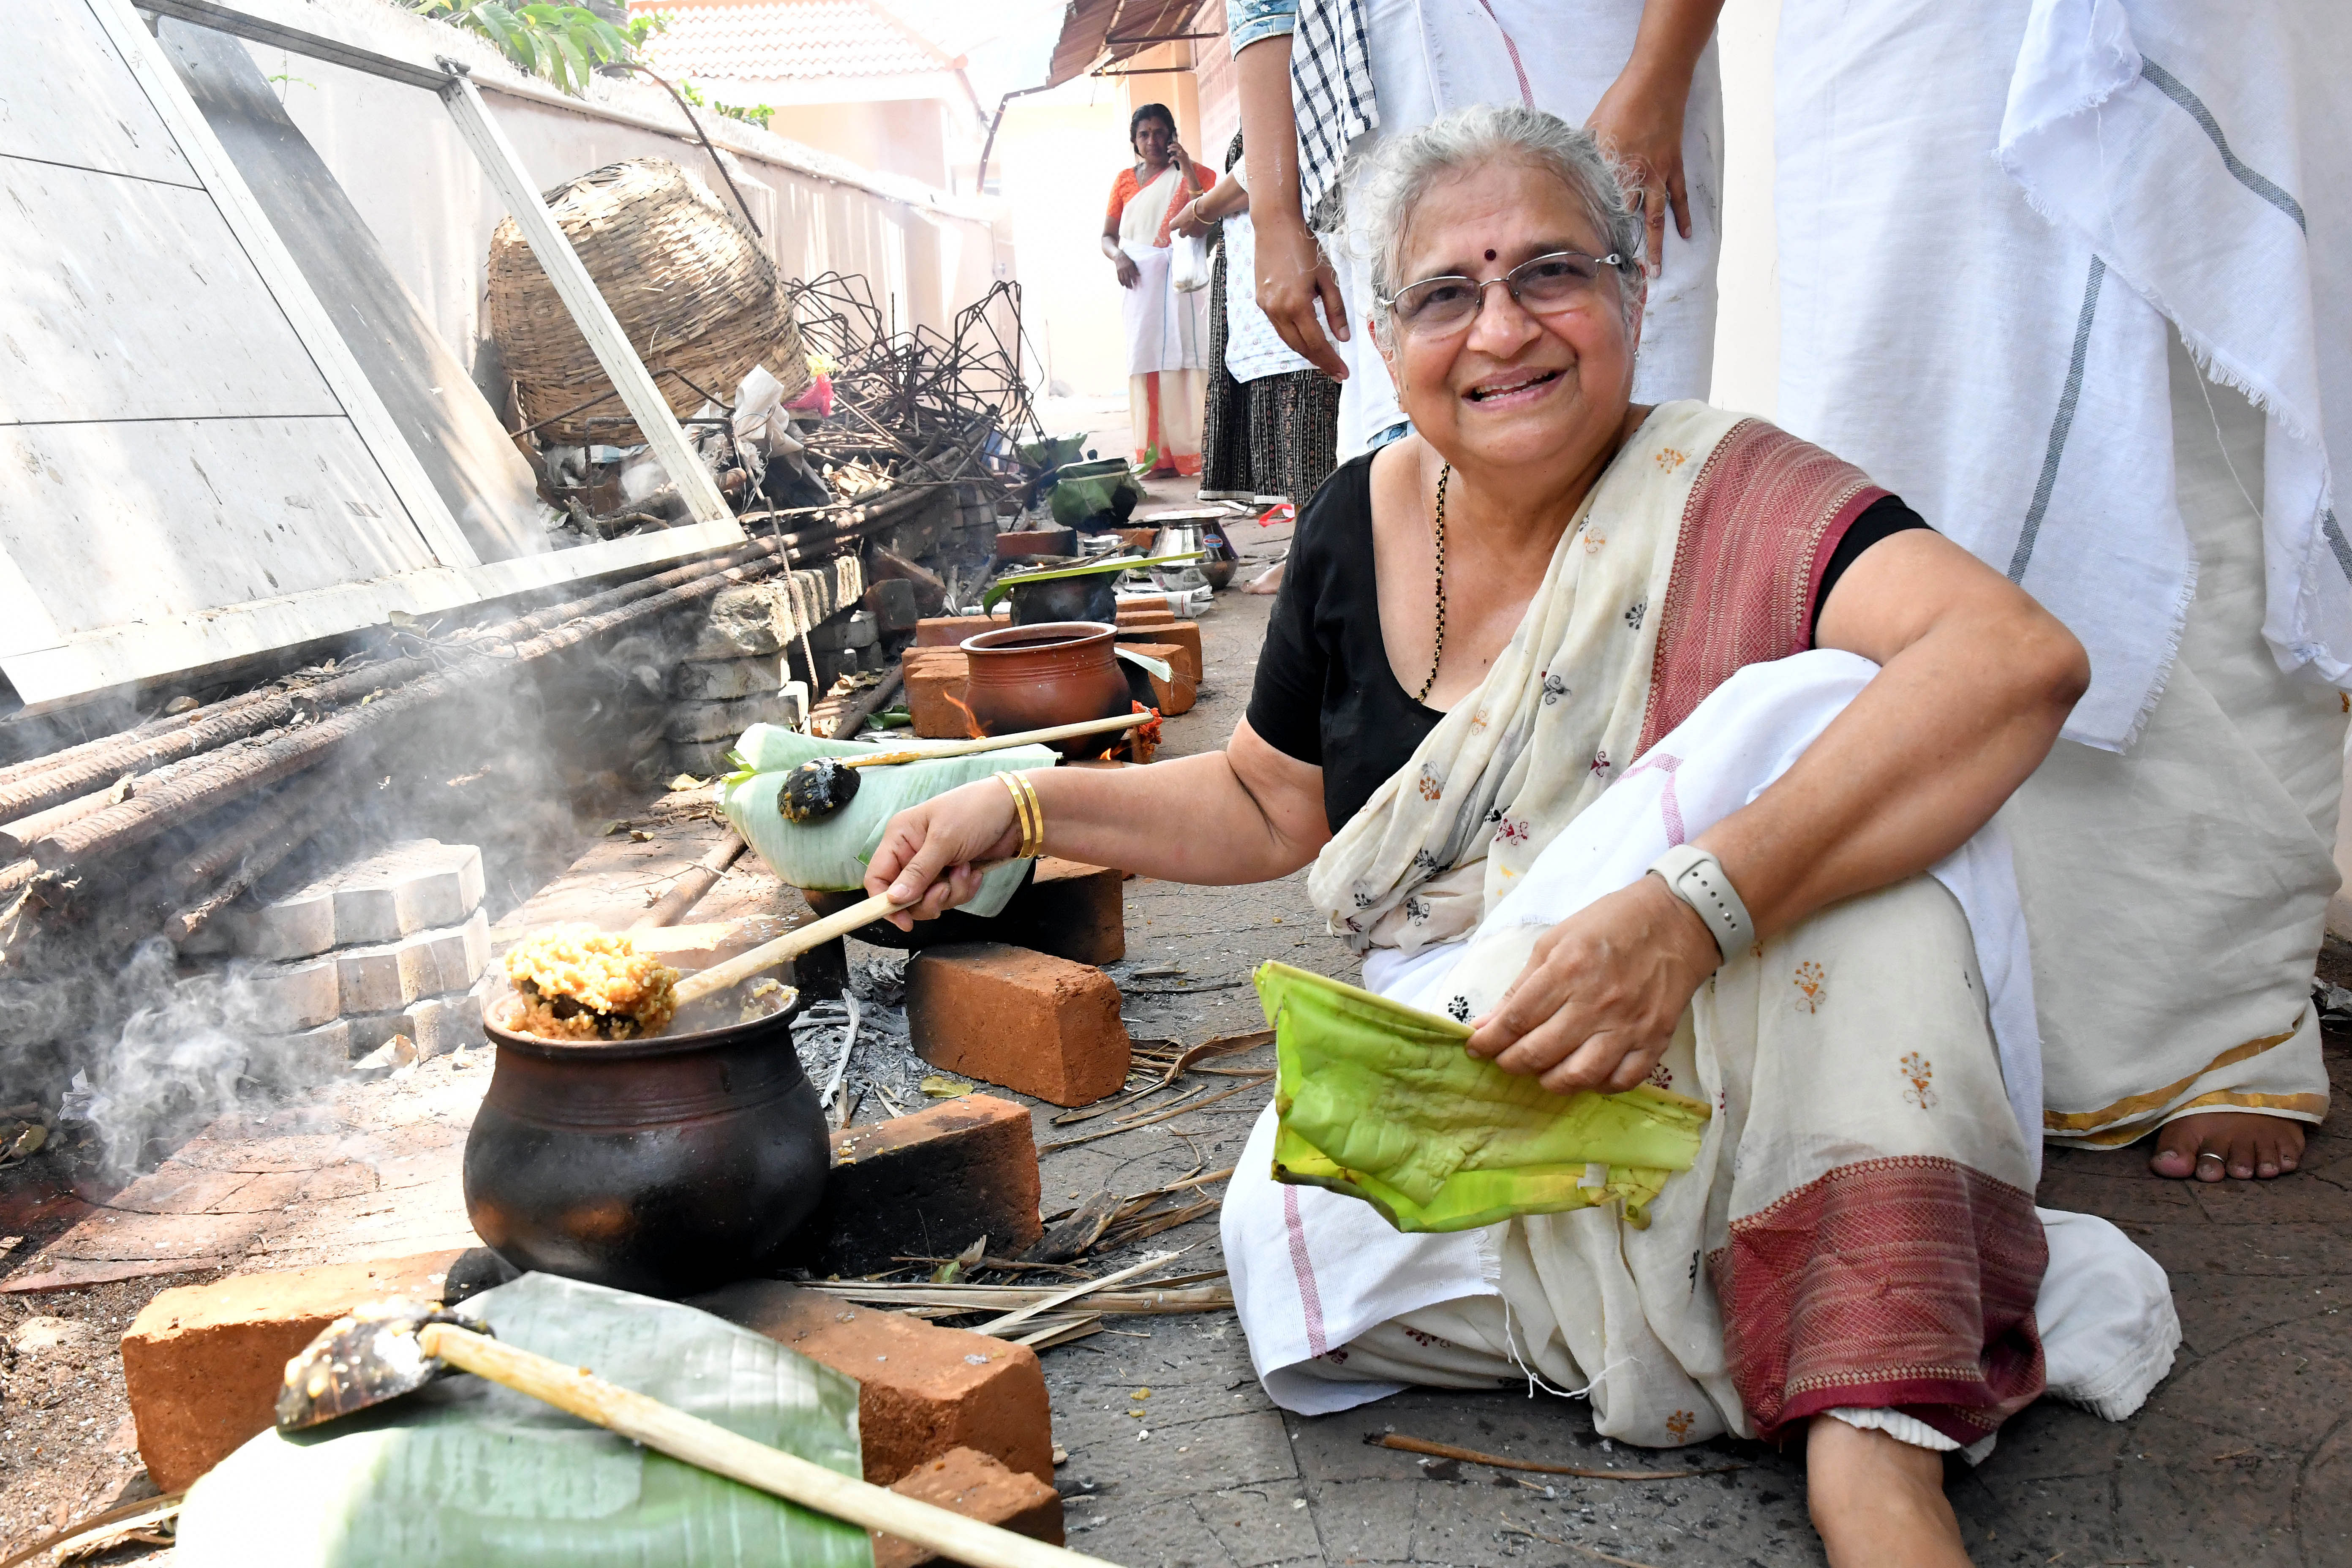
column 564, row 44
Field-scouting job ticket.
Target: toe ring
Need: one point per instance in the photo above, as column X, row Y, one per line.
column 2208, row 1154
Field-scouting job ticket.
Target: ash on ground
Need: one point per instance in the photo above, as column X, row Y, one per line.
column 880, row 1075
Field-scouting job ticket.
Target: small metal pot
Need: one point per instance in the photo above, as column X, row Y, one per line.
column 664, row 1166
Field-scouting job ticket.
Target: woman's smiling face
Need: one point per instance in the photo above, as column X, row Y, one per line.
column 1510, row 387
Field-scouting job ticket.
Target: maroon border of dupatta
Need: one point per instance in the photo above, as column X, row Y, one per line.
column 1763, row 519
column 1906, row 1282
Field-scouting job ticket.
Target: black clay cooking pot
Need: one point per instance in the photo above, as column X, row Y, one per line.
column 664, row 1166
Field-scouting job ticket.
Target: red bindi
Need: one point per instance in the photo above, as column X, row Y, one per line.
column 1490, row 256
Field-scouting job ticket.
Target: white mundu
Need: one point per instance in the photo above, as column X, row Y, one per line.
column 1430, row 57
column 1977, row 206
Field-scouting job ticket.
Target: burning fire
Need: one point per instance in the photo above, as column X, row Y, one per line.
column 969, row 722
column 1143, row 741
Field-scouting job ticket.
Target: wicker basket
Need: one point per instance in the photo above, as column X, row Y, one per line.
column 694, row 291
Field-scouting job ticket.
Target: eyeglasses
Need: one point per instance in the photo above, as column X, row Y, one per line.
column 1545, row 286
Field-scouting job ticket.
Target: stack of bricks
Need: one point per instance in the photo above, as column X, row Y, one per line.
column 322, row 979
column 951, row 1417
column 935, row 667
column 744, row 666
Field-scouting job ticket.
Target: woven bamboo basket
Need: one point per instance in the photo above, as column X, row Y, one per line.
column 692, row 288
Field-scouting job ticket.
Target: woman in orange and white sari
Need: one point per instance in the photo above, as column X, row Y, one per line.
column 1166, row 329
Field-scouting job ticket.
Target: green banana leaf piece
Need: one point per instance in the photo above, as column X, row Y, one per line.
column 997, row 590
column 467, row 1471
column 1380, row 1100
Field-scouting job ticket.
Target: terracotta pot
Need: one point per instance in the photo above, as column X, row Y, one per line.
column 1062, row 672
column 664, row 1166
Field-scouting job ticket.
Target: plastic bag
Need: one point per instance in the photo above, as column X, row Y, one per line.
column 1188, row 268
column 1380, row 1100
column 830, row 855
column 467, row 1471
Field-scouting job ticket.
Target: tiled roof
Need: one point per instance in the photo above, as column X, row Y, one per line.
column 786, row 40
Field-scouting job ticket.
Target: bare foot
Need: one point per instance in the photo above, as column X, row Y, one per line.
column 1267, row 581
column 2210, row 1143
column 1877, row 1501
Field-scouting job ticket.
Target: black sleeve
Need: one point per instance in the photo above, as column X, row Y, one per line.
column 1882, row 519
column 1286, row 705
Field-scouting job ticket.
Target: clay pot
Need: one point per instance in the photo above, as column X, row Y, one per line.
column 664, row 1166
column 1062, row 672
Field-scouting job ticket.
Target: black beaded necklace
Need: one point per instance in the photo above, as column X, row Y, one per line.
column 1437, row 653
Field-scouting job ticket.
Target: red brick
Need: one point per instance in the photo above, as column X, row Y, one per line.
column 1174, row 695
column 926, row 1185
column 947, row 631
column 1036, row 541
column 935, row 688
column 203, row 1363
column 1185, row 635
column 922, row 1390
column 1069, row 909
column 977, row 1487
column 1032, row 1022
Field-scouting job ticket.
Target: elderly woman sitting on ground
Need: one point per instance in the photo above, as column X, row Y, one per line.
column 1512, row 618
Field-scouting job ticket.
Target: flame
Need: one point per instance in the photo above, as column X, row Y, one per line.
column 971, row 722
column 1143, row 741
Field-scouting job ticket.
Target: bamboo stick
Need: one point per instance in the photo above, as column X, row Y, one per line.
column 1003, row 742
column 998, row 1325
column 712, row 1447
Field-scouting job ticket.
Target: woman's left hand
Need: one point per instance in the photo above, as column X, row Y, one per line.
column 1641, row 125
column 1598, row 1002
column 1189, row 221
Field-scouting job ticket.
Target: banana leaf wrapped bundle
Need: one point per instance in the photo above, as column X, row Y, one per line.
column 465, row 1472
column 1380, row 1100
column 830, row 854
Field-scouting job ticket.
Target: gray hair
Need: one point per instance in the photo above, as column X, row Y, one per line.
column 1401, row 170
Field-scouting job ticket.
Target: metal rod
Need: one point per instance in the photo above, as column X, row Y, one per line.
column 701, row 136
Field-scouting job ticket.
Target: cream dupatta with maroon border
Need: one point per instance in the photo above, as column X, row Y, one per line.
column 1861, row 1135
column 1707, row 530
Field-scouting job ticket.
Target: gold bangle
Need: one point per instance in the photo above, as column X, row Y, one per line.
column 1036, row 845
column 1026, row 812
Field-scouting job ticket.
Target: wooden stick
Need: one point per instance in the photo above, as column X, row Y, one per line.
column 1472, row 1456
column 791, row 944
column 697, row 879
column 998, row 1325
column 714, row 1448
column 1189, row 1106
column 1004, row 743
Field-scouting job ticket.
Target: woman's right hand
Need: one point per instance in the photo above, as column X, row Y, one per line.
column 1292, row 274
column 1124, row 265
column 930, row 856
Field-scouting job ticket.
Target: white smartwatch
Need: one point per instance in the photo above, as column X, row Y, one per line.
column 1696, row 878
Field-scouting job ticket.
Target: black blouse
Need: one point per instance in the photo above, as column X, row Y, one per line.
column 1324, row 692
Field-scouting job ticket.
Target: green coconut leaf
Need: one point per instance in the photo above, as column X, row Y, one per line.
column 1003, row 585
column 1380, row 1100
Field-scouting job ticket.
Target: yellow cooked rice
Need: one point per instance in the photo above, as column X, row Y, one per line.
column 621, row 993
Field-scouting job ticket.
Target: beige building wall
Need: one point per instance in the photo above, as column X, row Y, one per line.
column 907, row 136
